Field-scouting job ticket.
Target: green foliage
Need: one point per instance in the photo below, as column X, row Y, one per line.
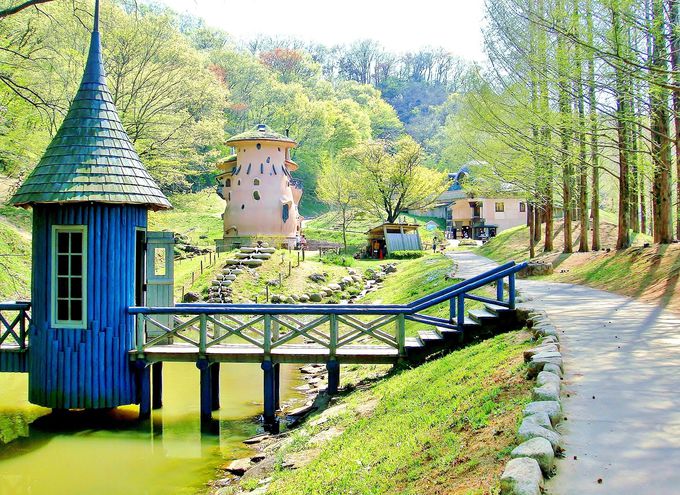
column 337, row 259
column 406, row 255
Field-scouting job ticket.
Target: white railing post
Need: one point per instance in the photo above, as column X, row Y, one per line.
column 267, row 344
column 203, row 334
column 139, row 336
column 334, row 334
column 401, row 333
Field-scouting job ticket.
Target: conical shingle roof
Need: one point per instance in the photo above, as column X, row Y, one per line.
column 261, row 132
column 91, row 158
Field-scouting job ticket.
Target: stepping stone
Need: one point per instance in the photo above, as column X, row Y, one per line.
column 546, row 377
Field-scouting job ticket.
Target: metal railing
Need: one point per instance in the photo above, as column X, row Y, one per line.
column 269, row 326
column 14, row 322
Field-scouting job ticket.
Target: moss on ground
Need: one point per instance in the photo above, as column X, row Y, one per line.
column 444, row 427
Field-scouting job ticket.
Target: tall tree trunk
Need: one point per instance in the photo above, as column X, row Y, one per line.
column 660, row 128
column 565, row 129
column 582, row 167
column 622, row 115
column 674, row 18
column 594, row 136
column 531, row 218
column 537, row 223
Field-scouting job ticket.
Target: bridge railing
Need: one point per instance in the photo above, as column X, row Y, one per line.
column 269, row 326
column 14, row 322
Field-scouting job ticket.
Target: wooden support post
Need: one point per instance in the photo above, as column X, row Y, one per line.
column 333, row 368
column 269, row 413
column 452, row 308
column 192, row 278
column 205, row 389
column 499, row 289
column 266, row 293
column 511, row 290
column 201, row 266
column 157, row 385
column 215, row 386
column 460, row 316
column 303, row 254
column 298, row 256
column 401, row 334
column 143, row 389
column 290, row 267
column 277, row 386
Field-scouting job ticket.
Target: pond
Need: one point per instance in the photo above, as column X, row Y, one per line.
column 110, row 452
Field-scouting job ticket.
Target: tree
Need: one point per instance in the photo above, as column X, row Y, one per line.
column 336, row 188
column 392, row 180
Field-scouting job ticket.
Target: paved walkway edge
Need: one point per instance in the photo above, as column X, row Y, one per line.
column 534, row 458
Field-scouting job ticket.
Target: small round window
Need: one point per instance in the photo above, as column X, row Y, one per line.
column 256, row 182
column 243, row 207
column 228, row 183
column 256, row 195
column 239, row 182
column 259, row 146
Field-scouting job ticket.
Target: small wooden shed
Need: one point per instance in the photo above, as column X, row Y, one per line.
column 390, row 237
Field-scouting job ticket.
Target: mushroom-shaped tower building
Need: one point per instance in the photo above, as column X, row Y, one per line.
column 261, row 195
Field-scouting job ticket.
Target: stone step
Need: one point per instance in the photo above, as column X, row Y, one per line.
column 481, row 315
column 413, row 343
column 497, row 310
column 428, row 336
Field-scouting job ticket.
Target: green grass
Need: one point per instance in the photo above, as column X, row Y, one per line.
column 195, row 215
column 417, row 278
column 444, row 427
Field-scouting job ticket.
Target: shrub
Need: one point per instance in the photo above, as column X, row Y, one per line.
column 337, row 259
column 405, row 255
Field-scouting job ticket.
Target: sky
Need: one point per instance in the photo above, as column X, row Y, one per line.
column 399, row 25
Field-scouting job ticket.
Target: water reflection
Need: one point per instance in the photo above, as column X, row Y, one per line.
column 109, row 452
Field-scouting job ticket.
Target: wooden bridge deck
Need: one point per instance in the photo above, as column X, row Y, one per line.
column 287, row 353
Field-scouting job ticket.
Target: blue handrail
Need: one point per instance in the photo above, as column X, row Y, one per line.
column 509, row 269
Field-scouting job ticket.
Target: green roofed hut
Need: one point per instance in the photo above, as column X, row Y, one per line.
column 390, row 237
column 90, row 195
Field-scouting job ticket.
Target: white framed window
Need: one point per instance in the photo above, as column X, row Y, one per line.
column 500, row 207
column 69, row 276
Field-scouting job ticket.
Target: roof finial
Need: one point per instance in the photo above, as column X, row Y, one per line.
column 95, row 28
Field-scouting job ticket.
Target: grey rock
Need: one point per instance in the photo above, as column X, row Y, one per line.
column 553, row 368
column 529, row 353
column 315, row 297
column 239, row 466
column 545, row 377
column 289, row 300
column 541, row 419
column 335, row 287
column 549, row 391
column 538, row 449
column 191, row 297
column 538, row 361
column 522, row 476
column 529, row 429
column 275, row 299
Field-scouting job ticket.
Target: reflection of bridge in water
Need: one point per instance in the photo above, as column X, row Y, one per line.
column 210, row 334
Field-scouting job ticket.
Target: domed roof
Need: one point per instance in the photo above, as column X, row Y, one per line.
column 261, row 132
column 91, row 158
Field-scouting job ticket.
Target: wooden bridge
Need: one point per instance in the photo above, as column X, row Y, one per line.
column 210, row 334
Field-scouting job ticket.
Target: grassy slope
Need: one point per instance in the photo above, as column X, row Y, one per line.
column 15, row 248
column 650, row 274
column 196, row 215
column 441, row 428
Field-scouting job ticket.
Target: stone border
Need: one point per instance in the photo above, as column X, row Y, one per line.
column 534, row 458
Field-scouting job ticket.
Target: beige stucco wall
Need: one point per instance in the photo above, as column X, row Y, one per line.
column 511, row 217
column 244, row 215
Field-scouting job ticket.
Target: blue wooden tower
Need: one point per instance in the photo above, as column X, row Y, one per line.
column 90, row 195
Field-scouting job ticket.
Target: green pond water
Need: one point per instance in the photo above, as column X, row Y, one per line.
column 112, row 453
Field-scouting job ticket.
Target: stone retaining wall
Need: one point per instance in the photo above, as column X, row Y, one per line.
column 534, row 459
